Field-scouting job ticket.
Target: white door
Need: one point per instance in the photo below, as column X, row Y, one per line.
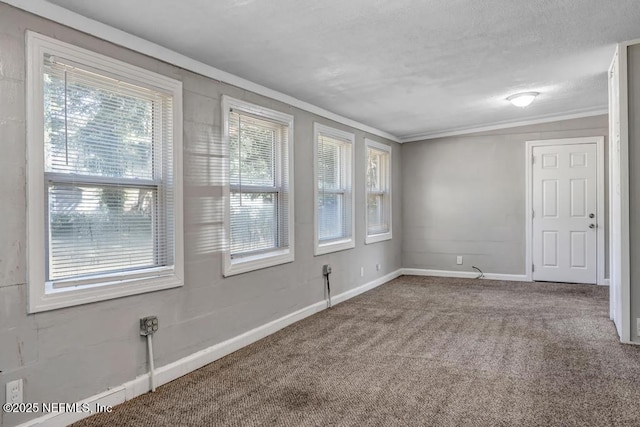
column 564, row 213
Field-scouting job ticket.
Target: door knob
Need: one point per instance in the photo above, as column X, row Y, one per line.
column 592, row 226
column 591, row 216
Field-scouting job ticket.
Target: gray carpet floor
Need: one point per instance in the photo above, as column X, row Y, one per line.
column 419, row 351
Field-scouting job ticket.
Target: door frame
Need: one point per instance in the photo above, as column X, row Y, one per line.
column 619, row 268
column 600, row 205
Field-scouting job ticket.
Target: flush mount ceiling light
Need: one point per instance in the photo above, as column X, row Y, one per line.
column 522, row 99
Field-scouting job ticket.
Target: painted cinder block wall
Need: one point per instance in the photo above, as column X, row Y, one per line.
column 69, row 354
column 465, row 195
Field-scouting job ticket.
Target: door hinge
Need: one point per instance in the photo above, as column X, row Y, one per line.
column 533, row 214
column 533, row 268
column 533, row 160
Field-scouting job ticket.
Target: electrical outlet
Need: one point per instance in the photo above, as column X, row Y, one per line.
column 459, row 260
column 377, row 267
column 14, row 391
column 361, row 271
column 326, row 270
column 148, row 325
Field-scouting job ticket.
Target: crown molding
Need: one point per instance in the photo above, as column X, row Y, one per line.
column 507, row 124
column 598, row 111
column 78, row 22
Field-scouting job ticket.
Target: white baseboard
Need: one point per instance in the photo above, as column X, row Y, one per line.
column 172, row 371
column 510, row 277
column 366, row 287
column 197, row 360
column 109, row 398
column 463, row 274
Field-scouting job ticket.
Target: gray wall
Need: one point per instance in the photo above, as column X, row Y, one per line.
column 465, row 195
column 69, row 354
column 634, row 184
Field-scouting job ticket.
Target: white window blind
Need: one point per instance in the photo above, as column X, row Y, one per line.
column 333, row 192
column 259, row 195
column 378, row 189
column 108, row 174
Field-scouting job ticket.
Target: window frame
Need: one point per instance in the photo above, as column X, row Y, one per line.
column 387, row 201
column 348, row 139
column 43, row 295
column 269, row 257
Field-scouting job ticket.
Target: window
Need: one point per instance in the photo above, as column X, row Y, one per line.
column 104, row 177
column 378, row 191
column 259, row 212
column 333, row 160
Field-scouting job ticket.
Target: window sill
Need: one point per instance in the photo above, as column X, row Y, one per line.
column 374, row 238
column 335, row 246
column 68, row 296
column 256, row 262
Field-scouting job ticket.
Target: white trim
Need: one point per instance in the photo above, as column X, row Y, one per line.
column 39, row 298
column 614, row 297
column 601, row 212
column 141, row 385
column 620, row 268
column 105, row 32
column 349, row 139
column 600, row 208
column 630, row 43
column 569, row 115
column 380, row 237
column 109, row 398
column 366, row 287
column 464, row 274
column 76, row 21
column 276, row 256
column 625, row 262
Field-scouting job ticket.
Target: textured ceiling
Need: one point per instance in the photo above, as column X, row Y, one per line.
column 409, row 67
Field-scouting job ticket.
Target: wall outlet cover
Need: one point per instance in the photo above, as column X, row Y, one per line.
column 14, row 391
column 149, row 325
column 459, row 260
